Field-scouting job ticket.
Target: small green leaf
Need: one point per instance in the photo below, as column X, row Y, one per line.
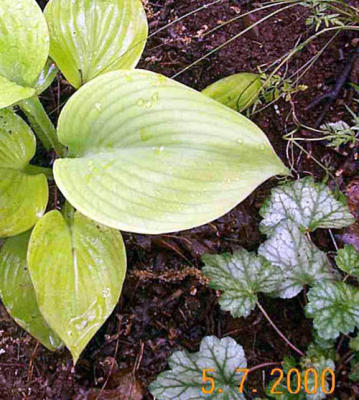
column 241, row 276
column 311, row 205
column 237, row 91
column 334, row 308
column 354, row 343
column 46, row 77
column 24, row 48
column 23, row 194
column 149, row 155
column 319, row 360
column 184, row 379
column 348, row 260
column 77, row 269
column 91, row 37
column 316, row 359
column 300, row 261
column 354, row 371
column 18, row 294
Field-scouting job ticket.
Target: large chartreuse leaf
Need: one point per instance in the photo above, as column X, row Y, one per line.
column 77, row 268
column 17, row 291
column 24, row 48
column 149, row 155
column 91, row 37
column 23, row 193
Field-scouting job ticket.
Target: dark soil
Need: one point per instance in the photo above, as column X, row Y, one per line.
column 166, row 304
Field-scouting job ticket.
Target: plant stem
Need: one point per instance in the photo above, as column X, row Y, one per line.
column 34, row 170
column 41, row 124
column 279, row 332
column 68, row 213
column 264, row 365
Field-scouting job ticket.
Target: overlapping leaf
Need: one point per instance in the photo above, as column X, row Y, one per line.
column 17, row 291
column 348, row 260
column 46, row 76
column 300, row 261
column 23, row 194
column 319, row 360
column 241, row 276
column 311, row 205
column 149, row 155
column 77, row 268
column 334, row 308
column 315, row 359
column 91, row 37
column 237, row 91
column 24, row 48
column 184, row 379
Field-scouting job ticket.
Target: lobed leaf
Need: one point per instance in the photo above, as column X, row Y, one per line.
column 334, row 307
column 241, row 276
column 300, row 261
column 320, row 360
column 348, row 260
column 311, row 205
column 24, row 48
column 237, row 91
column 184, row 379
column 77, row 268
column 23, row 194
column 149, row 155
column 91, row 37
column 18, row 294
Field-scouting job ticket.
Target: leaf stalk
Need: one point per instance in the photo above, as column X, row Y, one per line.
column 291, row 345
column 41, row 124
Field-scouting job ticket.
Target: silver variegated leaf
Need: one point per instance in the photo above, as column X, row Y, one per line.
column 241, row 276
column 300, row 261
column 184, row 379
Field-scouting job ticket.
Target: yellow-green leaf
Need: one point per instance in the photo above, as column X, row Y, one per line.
column 11, row 93
column 149, row 155
column 91, row 37
column 24, row 48
column 77, row 268
column 17, row 291
column 23, row 193
column 237, row 91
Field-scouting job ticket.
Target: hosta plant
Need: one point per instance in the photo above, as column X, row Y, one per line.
column 134, row 151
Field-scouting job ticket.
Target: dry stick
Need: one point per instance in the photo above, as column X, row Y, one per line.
column 313, row 158
column 279, row 332
column 236, row 18
column 306, row 43
column 232, row 39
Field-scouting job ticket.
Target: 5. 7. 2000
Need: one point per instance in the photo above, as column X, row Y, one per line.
column 310, row 381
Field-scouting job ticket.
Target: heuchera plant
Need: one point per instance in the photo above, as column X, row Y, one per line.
column 134, row 151
column 286, row 262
